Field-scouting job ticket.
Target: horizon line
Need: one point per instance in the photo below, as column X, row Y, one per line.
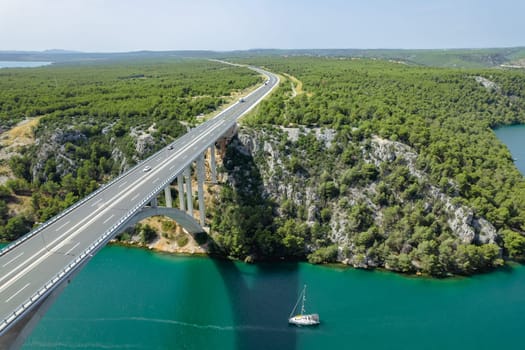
column 67, row 51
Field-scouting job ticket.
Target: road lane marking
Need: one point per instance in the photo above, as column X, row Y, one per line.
column 19, row 291
column 70, row 250
column 173, row 166
column 122, row 184
column 10, row 261
column 61, row 227
column 185, row 156
column 135, row 197
column 157, row 179
column 111, row 217
column 92, row 217
column 100, row 200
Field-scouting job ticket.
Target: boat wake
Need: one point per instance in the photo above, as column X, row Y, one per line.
column 181, row 323
column 51, row 345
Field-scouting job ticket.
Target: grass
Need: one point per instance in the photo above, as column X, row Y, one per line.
column 21, row 135
column 297, row 85
column 182, row 239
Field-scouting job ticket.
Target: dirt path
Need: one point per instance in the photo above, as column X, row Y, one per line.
column 297, row 85
column 12, row 140
column 21, row 135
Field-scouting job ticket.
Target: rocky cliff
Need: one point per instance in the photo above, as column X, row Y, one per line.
column 373, row 201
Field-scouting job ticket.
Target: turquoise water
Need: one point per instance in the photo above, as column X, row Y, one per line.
column 514, row 138
column 23, row 64
column 131, row 298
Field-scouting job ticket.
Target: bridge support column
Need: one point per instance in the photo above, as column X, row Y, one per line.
column 213, row 164
column 187, row 175
column 154, row 202
column 180, row 184
column 200, row 185
column 167, row 195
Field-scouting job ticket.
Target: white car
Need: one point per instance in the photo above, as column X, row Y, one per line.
column 146, row 168
column 170, row 147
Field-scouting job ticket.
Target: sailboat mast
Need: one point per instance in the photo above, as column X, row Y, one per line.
column 304, row 299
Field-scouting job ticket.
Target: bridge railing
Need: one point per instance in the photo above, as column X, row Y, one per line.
column 81, row 258
column 92, row 248
column 57, row 217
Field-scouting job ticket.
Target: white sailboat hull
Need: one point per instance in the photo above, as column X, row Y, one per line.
column 304, row 320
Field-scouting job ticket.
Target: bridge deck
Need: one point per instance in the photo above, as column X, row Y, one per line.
column 62, row 244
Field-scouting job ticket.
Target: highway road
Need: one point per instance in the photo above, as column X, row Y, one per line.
column 27, row 267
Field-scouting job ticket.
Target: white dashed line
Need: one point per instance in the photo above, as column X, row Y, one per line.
column 61, row 227
column 19, row 291
column 70, row 250
column 10, row 261
column 111, row 217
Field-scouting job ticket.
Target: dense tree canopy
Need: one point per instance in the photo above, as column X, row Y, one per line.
column 446, row 116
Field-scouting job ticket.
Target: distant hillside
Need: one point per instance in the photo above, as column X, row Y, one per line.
column 459, row 58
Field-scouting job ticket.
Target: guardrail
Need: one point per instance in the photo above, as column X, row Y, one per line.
column 87, row 253
column 66, row 211
column 97, row 244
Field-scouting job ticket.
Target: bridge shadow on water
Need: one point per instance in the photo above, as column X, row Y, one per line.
column 261, row 304
column 261, row 295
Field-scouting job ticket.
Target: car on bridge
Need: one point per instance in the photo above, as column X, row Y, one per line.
column 146, row 168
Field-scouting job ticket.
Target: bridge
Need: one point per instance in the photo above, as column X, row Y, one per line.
column 38, row 266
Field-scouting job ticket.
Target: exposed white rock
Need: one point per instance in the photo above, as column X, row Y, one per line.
column 487, row 84
column 280, row 184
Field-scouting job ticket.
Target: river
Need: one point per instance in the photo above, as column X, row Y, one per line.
column 137, row 299
column 23, row 64
column 514, row 137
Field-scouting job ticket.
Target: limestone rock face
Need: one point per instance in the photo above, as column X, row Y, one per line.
column 53, row 144
column 144, row 140
column 487, row 84
column 270, row 150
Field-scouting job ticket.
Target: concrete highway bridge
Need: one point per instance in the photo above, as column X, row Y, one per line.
column 38, row 266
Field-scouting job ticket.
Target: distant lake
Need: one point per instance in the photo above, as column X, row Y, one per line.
column 23, row 64
column 514, row 137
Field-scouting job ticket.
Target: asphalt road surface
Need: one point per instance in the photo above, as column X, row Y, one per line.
column 28, row 267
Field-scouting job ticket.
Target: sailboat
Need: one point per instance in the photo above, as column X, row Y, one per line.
column 303, row 319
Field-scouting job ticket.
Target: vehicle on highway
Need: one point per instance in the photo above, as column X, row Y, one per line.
column 146, row 168
column 170, row 147
column 241, row 100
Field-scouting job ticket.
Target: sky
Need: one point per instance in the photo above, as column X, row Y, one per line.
column 131, row 25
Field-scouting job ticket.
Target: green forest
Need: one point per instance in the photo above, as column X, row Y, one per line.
column 92, row 115
column 445, row 115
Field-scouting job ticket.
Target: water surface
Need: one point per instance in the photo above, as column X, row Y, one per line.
column 514, row 137
column 136, row 299
column 23, row 64
column 131, row 298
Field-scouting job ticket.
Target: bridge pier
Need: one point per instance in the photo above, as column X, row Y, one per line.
column 167, row 195
column 187, row 175
column 213, row 164
column 154, row 202
column 200, row 186
column 180, row 184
